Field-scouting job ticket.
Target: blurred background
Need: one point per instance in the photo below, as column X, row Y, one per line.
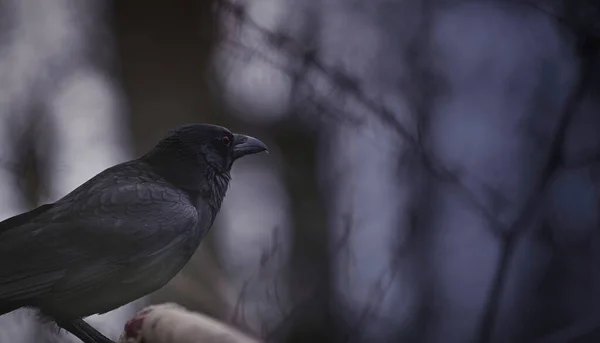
column 434, row 172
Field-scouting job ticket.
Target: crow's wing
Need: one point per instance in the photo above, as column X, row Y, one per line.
column 90, row 236
column 23, row 218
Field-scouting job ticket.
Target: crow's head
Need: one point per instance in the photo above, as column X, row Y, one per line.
column 194, row 149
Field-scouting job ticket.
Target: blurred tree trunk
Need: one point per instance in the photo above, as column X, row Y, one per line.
column 309, row 277
column 165, row 50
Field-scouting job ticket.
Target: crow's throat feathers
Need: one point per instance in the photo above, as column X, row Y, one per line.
column 217, row 183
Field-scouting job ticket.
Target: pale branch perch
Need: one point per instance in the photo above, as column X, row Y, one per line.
column 171, row 323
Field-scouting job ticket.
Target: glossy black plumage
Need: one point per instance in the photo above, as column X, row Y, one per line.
column 121, row 235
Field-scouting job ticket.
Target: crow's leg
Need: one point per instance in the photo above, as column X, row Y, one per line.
column 83, row 331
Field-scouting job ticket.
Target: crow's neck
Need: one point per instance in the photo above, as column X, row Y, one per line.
column 215, row 189
column 195, row 176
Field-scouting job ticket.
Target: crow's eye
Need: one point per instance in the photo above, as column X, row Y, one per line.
column 226, row 140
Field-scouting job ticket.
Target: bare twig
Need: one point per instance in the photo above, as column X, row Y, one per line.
column 377, row 293
column 554, row 162
column 350, row 85
column 313, row 296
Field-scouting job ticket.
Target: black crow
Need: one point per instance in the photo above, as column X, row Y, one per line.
column 121, row 235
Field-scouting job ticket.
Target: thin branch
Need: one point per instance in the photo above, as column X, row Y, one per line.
column 351, row 86
column 554, row 162
column 377, row 293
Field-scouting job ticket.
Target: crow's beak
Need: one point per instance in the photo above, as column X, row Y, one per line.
column 245, row 145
